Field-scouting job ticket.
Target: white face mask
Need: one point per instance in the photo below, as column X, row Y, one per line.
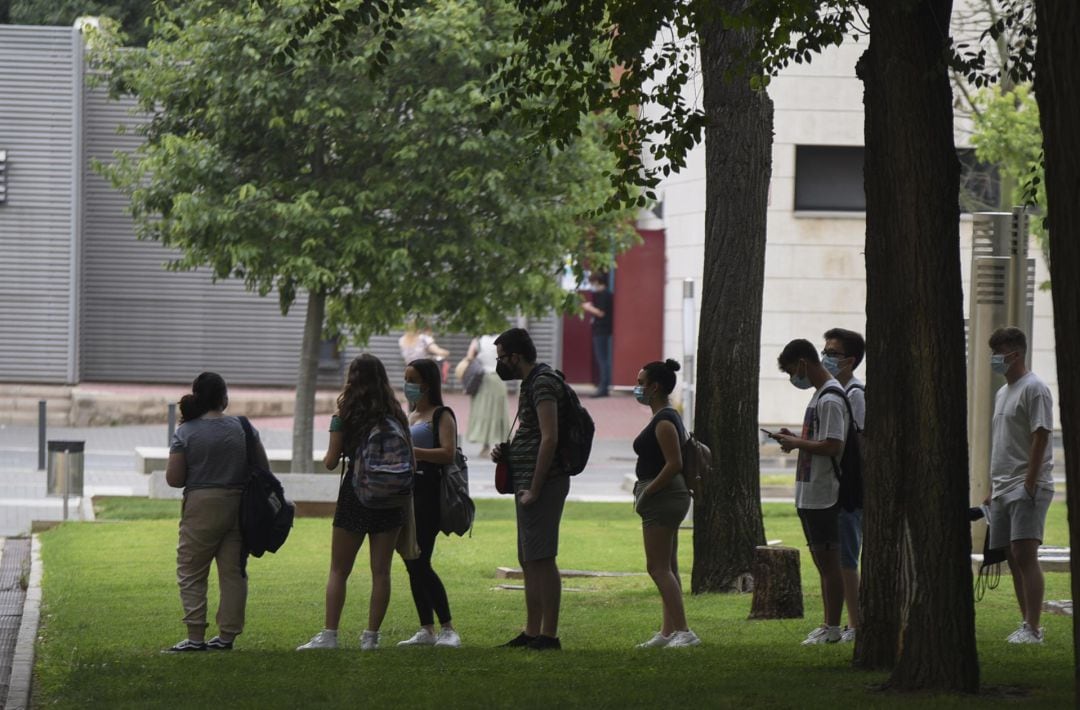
column 832, row 364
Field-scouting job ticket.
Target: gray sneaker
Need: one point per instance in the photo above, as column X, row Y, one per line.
column 423, row 637
column 369, row 641
column 680, row 639
column 448, row 638
column 847, row 635
column 657, row 641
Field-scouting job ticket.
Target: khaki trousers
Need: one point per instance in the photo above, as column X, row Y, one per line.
column 210, row 530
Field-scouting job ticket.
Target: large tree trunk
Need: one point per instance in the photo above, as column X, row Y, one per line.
column 738, row 164
column 918, row 542
column 304, row 409
column 1057, row 76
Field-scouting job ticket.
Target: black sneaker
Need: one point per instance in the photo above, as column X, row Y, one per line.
column 520, row 641
column 216, row 644
column 185, row 646
column 545, row 643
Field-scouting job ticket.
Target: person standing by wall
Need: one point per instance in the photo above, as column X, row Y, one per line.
column 208, row 459
column 1021, row 474
column 601, row 309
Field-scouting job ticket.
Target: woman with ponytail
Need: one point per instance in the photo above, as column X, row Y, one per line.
column 367, row 402
column 208, row 459
column 662, row 498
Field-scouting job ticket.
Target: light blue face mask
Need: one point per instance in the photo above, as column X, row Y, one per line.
column 832, row 364
column 639, row 394
column 412, row 392
column 998, row 364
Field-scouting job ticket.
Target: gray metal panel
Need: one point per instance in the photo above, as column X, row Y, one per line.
column 37, row 260
column 141, row 323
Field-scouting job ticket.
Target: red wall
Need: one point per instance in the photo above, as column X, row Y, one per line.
column 639, row 307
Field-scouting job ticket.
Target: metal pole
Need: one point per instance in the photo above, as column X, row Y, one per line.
column 689, row 351
column 67, row 481
column 172, row 422
column 41, row 435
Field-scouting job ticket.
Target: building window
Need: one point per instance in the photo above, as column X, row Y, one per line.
column 829, row 178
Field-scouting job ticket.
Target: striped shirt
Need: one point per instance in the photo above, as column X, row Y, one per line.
column 542, row 385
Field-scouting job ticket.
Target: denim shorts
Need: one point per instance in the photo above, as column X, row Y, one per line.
column 1018, row 517
column 850, row 537
column 821, row 526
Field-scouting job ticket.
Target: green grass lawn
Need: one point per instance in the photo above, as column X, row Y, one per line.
column 110, row 605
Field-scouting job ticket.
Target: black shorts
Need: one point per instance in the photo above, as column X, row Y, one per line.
column 821, row 527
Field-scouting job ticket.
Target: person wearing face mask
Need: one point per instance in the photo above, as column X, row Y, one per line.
column 844, row 350
column 817, row 487
column 1021, row 474
column 662, row 499
column 433, row 429
column 540, row 485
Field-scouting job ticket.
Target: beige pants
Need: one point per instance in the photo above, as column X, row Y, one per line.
column 210, row 530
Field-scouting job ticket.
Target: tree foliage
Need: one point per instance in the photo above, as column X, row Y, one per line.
column 380, row 192
column 133, row 16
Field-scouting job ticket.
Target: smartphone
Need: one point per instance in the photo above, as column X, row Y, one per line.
column 770, row 434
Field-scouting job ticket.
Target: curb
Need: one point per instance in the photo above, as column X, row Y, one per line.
column 22, row 666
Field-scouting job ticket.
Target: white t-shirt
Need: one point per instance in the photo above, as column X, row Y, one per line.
column 1020, row 409
column 816, row 484
column 487, row 353
column 857, row 397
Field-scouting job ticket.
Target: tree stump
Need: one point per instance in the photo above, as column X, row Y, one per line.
column 777, row 583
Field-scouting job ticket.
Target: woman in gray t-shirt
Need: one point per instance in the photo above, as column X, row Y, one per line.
column 208, row 459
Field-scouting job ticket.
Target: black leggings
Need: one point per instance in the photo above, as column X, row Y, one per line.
column 428, row 592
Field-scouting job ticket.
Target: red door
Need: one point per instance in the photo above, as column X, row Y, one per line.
column 639, row 307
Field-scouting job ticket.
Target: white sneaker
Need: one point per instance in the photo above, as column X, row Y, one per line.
column 680, row 639
column 1027, row 635
column 847, row 635
column 323, row 639
column 423, row 637
column 657, row 641
column 448, row 638
column 824, row 634
column 369, row 641
column 1023, row 627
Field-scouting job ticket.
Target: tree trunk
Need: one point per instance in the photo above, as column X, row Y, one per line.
column 917, row 579
column 738, row 164
column 304, row 409
column 777, row 584
column 1057, row 73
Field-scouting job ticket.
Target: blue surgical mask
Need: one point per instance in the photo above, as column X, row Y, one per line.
column 998, row 364
column 413, row 392
column 802, row 383
column 639, row 394
column 832, row 364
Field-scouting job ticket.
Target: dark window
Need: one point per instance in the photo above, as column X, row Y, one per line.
column 829, row 178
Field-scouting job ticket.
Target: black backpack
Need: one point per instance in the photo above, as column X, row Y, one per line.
column 266, row 516
column 849, row 470
column 456, row 509
column 576, row 429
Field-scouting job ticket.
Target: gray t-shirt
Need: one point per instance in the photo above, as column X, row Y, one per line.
column 856, row 395
column 1020, row 409
column 215, row 451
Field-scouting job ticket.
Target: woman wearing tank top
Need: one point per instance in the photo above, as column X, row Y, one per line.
column 208, row 459
column 432, row 449
column 662, row 499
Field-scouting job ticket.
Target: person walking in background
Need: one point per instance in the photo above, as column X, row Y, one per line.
column 601, row 309
column 208, row 459
column 540, row 485
column 417, row 344
column 844, row 350
column 434, row 435
column 662, row 499
column 817, row 488
column 366, row 406
column 1021, row 474
column 489, row 420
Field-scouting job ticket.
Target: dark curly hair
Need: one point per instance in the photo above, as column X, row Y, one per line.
column 367, row 400
column 208, row 392
column 663, row 373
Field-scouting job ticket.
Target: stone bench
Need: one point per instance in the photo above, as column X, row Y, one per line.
column 313, row 493
column 154, row 458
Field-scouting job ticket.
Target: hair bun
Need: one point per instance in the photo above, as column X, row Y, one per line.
column 672, row 365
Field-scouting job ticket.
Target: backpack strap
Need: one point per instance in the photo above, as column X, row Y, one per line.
column 836, row 391
column 249, row 443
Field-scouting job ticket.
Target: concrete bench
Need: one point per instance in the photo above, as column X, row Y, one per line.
column 154, row 458
column 314, row 494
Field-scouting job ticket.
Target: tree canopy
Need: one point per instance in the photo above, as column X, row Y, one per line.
column 377, row 190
